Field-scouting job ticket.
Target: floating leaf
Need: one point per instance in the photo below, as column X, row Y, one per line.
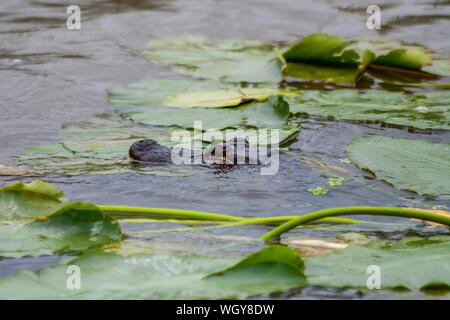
column 231, row 60
column 315, row 57
column 424, row 111
column 412, row 263
column 334, row 182
column 321, row 48
column 333, row 59
column 417, row 165
column 328, row 73
column 318, row 191
column 272, row 113
column 147, row 103
column 439, row 67
column 151, row 92
column 162, row 277
column 389, row 53
column 29, row 200
column 222, row 98
column 33, row 221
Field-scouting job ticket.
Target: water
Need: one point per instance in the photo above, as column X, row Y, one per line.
column 50, row 76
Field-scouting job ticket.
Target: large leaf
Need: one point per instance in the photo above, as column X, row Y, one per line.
column 424, row 111
column 389, row 53
column 417, row 165
column 149, row 92
column 328, row 73
column 270, row 114
column 231, row 60
column 149, row 102
column 333, row 59
column 222, row 98
column 439, row 67
column 315, row 57
column 412, row 263
column 321, row 48
column 29, row 200
column 162, row 277
column 33, row 221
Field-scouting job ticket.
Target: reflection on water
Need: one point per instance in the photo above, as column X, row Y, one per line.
column 50, row 76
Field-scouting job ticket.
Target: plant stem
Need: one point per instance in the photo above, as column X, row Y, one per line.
column 172, row 215
column 281, row 57
column 380, row 211
column 180, row 214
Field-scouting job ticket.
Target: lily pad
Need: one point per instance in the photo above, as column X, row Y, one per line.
column 333, row 59
column 439, row 67
column 423, row 111
column 270, row 114
column 315, row 57
column 33, row 222
column 162, row 276
column 222, row 98
column 412, row 263
column 417, row 165
column 231, row 60
column 389, row 53
column 149, row 92
column 29, row 200
column 328, row 73
column 321, row 48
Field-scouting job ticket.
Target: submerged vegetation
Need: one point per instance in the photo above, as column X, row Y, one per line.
column 241, row 86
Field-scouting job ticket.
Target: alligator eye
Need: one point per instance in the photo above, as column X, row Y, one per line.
column 141, row 141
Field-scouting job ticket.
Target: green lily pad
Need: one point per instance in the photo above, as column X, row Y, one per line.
column 33, row 221
column 318, row 191
column 316, row 57
column 417, row 165
column 389, row 53
column 29, row 200
column 328, row 73
column 333, row 59
column 162, row 276
column 149, row 103
column 439, row 67
column 149, row 92
column 222, row 98
column 272, row 113
column 412, row 263
column 231, row 60
column 423, row 111
column 321, row 48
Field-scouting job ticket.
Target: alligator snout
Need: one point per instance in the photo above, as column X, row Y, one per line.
column 233, row 152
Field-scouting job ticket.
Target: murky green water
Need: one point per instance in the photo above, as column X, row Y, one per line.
column 50, row 76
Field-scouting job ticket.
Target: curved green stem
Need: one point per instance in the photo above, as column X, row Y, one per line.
column 159, row 212
column 281, row 57
column 380, row 211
